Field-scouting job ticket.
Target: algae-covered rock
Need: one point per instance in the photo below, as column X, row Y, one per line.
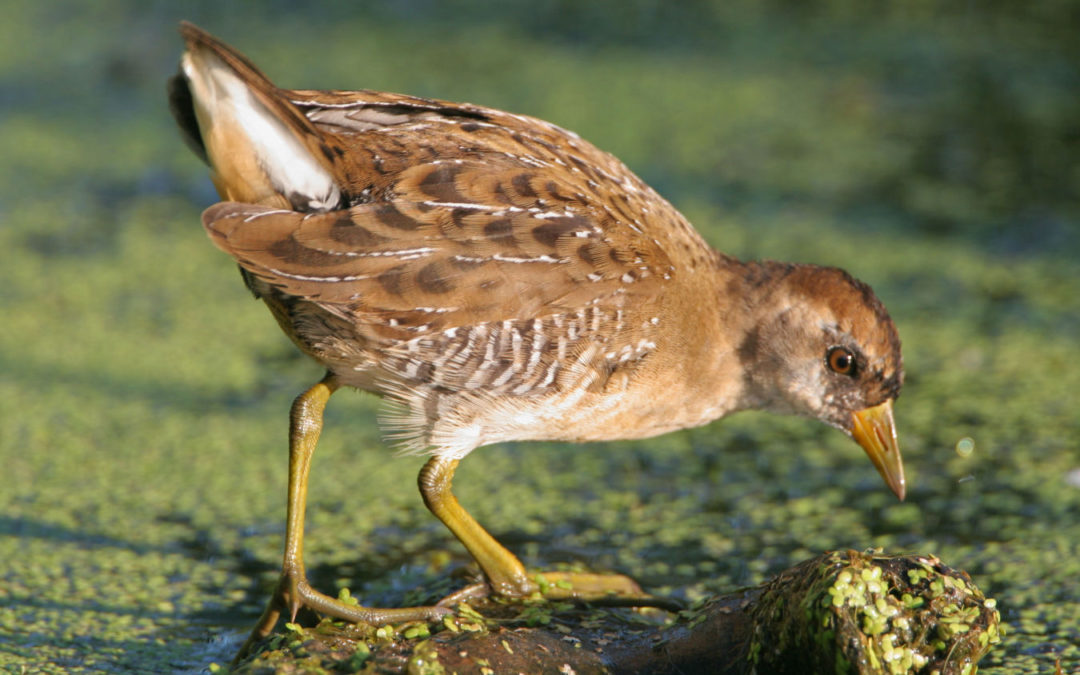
column 856, row 612
column 841, row 612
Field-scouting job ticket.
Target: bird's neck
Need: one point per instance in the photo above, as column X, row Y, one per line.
column 749, row 296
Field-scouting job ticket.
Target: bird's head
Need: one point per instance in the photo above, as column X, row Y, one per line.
column 825, row 347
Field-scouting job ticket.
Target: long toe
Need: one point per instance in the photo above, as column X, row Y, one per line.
column 611, row 590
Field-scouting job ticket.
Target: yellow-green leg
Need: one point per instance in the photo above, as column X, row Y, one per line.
column 293, row 590
column 506, row 576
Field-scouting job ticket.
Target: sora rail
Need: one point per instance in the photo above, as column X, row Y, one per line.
column 497, row 278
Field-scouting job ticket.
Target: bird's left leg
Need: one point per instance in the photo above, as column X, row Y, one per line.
column 293, row 590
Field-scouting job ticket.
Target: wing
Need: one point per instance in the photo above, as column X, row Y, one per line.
column 459, row 244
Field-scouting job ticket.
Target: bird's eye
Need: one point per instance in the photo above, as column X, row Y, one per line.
column 841, row 360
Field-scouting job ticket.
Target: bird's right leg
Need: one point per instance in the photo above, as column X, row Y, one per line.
column 505, row 574
column 293, row 590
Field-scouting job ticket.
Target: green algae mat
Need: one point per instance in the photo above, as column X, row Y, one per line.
column 144, row 395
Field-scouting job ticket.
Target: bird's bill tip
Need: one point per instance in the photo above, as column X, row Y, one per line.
column 875, row 430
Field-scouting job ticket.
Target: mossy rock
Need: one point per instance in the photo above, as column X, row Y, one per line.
column 851, row 612
column 840, row 612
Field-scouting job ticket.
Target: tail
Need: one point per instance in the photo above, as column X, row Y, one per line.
column 260, row 147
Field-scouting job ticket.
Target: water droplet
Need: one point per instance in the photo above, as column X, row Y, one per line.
column 965, row 446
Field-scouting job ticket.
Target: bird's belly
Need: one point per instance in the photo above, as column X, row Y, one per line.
column 576, row 416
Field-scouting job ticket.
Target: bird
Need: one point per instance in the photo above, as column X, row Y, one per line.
column 494, row 277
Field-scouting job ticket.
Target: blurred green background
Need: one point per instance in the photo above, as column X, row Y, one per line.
column 930, row 148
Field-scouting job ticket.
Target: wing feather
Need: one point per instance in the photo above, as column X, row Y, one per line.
column 439, row 244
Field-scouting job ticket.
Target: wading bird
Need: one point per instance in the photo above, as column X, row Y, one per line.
column 496, row 278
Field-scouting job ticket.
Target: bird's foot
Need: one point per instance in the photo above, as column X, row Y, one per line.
column 294, row 591
column 611, row 590
column 608, row 590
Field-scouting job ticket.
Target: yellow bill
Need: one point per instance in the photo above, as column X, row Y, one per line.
column 874, row 429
